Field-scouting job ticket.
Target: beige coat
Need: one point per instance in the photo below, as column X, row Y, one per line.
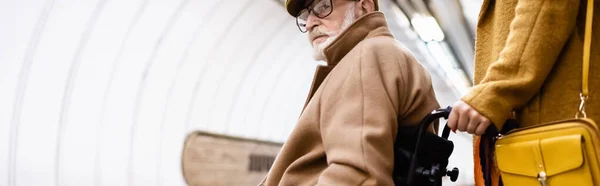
column 346, row 132
column 528, row 57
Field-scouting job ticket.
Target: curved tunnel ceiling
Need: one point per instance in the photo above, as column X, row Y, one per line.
column 103, row 92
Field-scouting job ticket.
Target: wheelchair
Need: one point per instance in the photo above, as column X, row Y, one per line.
column 421, row 157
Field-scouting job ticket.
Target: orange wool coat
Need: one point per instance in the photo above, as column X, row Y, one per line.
column 528, row 59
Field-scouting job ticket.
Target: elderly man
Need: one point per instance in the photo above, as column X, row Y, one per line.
column 371, row 83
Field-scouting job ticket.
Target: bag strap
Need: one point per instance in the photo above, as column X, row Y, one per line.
column 587, row 42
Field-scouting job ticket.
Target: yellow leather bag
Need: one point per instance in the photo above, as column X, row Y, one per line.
column 554, row 154
column 560, row 153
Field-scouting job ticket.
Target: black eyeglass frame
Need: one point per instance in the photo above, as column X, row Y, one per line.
column 311, row 10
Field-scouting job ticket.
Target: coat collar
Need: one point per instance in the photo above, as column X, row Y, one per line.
column 484, row 8
column 370, row 25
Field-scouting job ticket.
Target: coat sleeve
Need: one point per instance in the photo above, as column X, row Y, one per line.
column 538, row 32
column 359, row 119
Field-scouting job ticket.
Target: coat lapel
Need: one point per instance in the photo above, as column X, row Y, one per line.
column 484, row 7
column 320, row 75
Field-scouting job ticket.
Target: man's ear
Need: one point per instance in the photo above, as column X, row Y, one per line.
column 364, row 7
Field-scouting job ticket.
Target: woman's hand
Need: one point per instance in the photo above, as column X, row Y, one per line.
column 464, row 118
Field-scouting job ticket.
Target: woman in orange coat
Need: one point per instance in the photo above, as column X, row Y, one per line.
column 528, row 65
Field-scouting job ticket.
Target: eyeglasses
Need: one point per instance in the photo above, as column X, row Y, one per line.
column 322, row 9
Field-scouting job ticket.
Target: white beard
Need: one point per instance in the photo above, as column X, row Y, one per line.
column 319, row 48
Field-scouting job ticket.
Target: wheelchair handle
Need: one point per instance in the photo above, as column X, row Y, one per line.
column 425, row 123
